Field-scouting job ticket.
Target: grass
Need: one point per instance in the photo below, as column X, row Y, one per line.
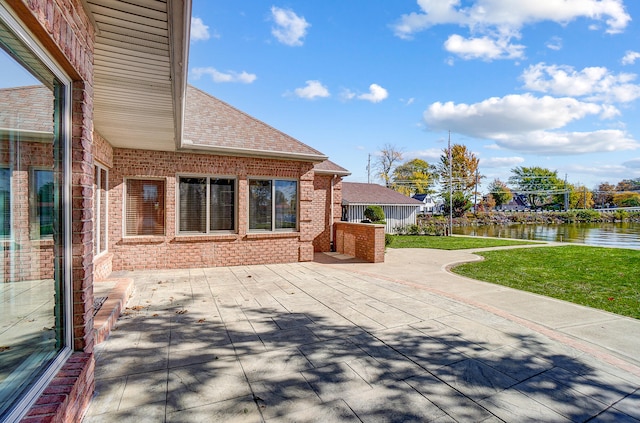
column 603, row 278
column 451, row 242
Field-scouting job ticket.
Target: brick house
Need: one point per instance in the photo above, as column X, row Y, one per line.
column 109, row 161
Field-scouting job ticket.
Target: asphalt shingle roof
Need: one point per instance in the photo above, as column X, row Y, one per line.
column 329, row 167
column 361, row 193
column 213, row 125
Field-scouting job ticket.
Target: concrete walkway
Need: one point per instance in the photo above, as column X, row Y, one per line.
column 338, row 340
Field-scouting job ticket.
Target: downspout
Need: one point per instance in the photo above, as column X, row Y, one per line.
column 331, row 217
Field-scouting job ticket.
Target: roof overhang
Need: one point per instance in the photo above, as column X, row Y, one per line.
column 188, row 145
column 140, row 71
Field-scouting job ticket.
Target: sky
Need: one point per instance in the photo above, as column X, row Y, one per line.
column 548, row 83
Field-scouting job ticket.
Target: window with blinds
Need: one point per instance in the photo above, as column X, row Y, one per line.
column 145, row 207
column 206, row 204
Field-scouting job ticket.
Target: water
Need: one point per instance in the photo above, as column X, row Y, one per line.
column 623, row 234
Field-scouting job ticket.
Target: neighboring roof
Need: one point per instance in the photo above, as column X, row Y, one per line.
column 373, row 194
column 421, row 197
column 330, row 168
column 140, row 71
column 214, row 126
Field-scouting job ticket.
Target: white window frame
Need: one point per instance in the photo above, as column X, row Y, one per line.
column 98, row 206
column 22, row 405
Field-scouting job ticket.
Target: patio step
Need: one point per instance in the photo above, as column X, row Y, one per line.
column 116, row 298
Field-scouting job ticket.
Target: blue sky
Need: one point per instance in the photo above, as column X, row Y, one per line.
column 550, row 83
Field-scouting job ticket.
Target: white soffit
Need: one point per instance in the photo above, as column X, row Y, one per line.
column 140, row 63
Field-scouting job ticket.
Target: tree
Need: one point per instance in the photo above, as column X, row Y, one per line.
column 414, row 177
column 500, row 192
column 463, row 170
column 387, row 160
column 540, row 185
column 580, row 197
column 629, row 185
column 604, row 194
column 460, row 202
column 627, row 199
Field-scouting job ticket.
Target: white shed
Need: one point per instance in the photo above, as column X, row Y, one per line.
column 399, row 210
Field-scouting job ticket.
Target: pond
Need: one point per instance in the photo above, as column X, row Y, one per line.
column 622, row 234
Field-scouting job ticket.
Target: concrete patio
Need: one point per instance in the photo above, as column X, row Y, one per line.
column 339, row 340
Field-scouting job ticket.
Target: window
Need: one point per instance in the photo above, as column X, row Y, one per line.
column 144, row 207
column 101, row 206
column 273, row 205
column 206, row 204
column 35, row 203
column 42, row 190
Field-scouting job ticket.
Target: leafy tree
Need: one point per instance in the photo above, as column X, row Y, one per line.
column 578, row 195
column 387, row 160
column 414, row 177
column 628, row 185
column 627, row 199
column 541, row 186
column 604, row 194
column 461, row 203
column 500, row 192
column 464, row 169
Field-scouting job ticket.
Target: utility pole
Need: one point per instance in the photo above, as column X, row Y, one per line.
column 566, row 194
column 475, row 196
column 450, row 187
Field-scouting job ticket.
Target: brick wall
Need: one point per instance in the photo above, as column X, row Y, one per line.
column 322, row 218
column 64, row 30
column 226, row 249
column 361, row 240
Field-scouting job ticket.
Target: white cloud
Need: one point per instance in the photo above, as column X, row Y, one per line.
column 632, row 164
column 290, row 28
column 510, row 14
column 199, row 31
column 312, row 90
column 495, row 162
column 530, row 124
column 630, row 57
column 375, row 95
column 230, row 76
column 593, row 83
column 430, row 155
column 346, row 94
column 555, row 43
column 493, row 23
column 485, row 48
column 509, row 114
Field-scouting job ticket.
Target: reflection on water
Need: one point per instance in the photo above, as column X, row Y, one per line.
column 622, row 234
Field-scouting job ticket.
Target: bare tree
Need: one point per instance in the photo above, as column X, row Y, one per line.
column 388, row 158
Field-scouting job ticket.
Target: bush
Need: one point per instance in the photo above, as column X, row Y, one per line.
column 588, row 216
column 375, row 214
column 388, row 239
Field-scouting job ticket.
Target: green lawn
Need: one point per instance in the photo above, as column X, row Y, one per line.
column 603, row 278
column 451, row 242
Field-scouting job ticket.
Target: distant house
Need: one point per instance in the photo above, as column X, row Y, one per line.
column 399, row 209
column 519, row 202
column 428, row 204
